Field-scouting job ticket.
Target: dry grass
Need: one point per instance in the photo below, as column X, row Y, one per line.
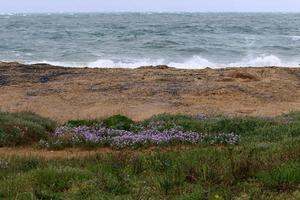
column 72, row 93
column 67, row 153
column 70, row 153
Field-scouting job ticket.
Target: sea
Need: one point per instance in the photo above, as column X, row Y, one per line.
column 130, row 40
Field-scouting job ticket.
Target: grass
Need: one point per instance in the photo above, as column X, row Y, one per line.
column 83, row 122
column 282, row 177
column 187, row 173
column 118, row 122
column 23, row 128
column 264, row 165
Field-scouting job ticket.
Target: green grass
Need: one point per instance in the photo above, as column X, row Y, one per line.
column 282, row 177
column 118, row 122
column 265, row 165
column 23, row 128
column 251, row 129
column 241, row 125
column 83, row 122
column 191, row 173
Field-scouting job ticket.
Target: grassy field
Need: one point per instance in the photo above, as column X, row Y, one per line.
column 233, row 158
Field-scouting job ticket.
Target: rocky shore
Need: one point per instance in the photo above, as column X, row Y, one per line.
column 71, row 93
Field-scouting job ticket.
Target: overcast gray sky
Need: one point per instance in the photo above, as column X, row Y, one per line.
column 8, row 6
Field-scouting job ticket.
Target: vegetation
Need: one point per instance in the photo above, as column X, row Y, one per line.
column 118, row 122
column 23, row 128
column 265, row 164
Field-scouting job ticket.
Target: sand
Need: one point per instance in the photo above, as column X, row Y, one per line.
column 76, row 93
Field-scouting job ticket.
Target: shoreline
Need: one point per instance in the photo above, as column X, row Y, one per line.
column 64, row 93
column 133, row 66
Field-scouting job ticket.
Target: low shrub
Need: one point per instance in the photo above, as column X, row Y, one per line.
column 26, row 128
column 274, row 133
column 83, row 122
column 48, row 124
column 164, row 122
column 118, row 122
column 241, row 125
column 23, row 128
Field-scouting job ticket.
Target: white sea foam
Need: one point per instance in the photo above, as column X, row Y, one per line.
column 196, row 62
column 295, row 37
column 263, row 61
column 193, row 63
column 129, row 64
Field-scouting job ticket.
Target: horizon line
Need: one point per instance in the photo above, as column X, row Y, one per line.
column 147, row 12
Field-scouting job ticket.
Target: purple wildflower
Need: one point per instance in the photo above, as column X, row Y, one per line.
column 123, row 139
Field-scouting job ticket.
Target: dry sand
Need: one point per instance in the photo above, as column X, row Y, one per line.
column 72, row 93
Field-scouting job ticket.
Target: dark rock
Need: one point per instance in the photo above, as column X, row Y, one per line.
column 162, row 67
column 116, row 88
column 3, row 80
column 174, row 89
column 52, row 75
column 155, row 67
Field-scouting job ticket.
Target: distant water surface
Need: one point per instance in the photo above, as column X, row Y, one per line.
column 182, row 40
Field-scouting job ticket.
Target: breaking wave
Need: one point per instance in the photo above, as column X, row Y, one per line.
column 295, row 38
column 195, row 62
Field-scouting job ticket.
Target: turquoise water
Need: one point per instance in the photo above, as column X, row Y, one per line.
column 182, row 40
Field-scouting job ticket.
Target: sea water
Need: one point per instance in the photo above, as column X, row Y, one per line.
column 183, row 40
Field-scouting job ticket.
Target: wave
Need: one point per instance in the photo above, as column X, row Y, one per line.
column 264, row 61
column 195, row 62
column 260, row 61
column 198, row 62
column 295, row 37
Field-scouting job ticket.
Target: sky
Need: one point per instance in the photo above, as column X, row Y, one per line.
column 46, row 6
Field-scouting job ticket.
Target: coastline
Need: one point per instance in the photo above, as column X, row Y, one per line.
column 65, row 93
